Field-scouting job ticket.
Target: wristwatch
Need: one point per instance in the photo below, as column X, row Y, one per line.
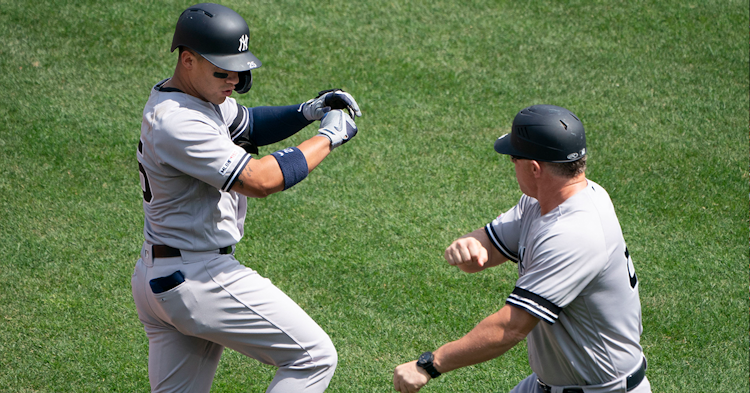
column 425, row 361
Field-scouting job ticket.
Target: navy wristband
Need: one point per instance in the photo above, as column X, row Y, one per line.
column 293, row 165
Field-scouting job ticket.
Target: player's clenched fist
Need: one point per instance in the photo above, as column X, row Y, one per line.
column 466, row 251
column 338, row 127
column 328, row 100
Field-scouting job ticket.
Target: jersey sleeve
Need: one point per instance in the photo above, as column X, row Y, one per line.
column 504, row 231
column 261, row 126
column 239, row 120
column 557, row 267
column 198, row 147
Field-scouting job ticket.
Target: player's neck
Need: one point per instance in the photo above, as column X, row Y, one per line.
column 180, row 82
column 173, row 83
column 553, row 193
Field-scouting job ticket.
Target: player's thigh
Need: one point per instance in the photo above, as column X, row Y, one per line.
column 528, row 385
column 137, row 285
column 180, row 363
column 261, row 321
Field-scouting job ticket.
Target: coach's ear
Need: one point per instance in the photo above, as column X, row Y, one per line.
column 536, row 168
column 245, row 83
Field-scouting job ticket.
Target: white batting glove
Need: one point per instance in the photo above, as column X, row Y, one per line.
column 328, row 100
column 337, row 126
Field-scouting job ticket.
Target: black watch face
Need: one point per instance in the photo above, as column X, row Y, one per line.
column 425, row 358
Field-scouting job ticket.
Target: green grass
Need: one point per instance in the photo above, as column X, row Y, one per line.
column 662, row 88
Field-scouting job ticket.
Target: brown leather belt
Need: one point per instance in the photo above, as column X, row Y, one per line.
column 162, row 251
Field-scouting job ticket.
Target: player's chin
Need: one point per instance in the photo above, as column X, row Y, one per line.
column 220, row 98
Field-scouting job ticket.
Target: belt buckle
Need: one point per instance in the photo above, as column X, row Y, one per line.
column 546, row 388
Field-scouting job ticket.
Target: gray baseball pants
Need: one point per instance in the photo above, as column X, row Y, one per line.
column 222, row 304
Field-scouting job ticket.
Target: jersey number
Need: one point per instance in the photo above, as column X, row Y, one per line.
column 631, row 269
column 145, row 186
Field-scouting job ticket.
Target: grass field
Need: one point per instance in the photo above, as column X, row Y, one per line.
column 661, row 86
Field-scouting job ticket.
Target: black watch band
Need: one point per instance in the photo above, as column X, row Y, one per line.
column 425, row 361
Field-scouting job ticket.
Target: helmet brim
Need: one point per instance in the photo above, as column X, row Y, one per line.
column 237, row 62
column 504, row 146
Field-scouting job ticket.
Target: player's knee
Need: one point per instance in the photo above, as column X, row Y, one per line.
column 320, row 356
column 328, row 355
column 324, row 365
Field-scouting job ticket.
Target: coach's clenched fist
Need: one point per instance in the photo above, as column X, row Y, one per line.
column 408, row 378
column 473, row 252
column 467, row 250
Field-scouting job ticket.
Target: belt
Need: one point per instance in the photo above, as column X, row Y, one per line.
column 548, row 389
column 162, row 251
column 632, row 381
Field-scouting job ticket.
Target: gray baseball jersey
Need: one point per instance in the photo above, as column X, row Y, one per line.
column 576, row 275
column 187, row 170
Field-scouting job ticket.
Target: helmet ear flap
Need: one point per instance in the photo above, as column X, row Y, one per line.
column 245, row 83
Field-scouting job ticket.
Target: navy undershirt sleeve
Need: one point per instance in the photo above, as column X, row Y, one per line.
column 271, row 124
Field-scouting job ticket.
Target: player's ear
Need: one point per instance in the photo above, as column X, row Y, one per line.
column 187, row 58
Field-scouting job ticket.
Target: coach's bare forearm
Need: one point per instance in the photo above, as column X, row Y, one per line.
column 491, row 338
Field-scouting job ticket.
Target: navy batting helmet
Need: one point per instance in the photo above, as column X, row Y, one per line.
column 218, row 34
column 544, row 133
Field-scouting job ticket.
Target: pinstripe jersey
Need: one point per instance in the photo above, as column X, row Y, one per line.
column 575, row 274
column 188, row 163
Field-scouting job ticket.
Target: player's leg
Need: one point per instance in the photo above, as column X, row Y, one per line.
column 176, row 362
column 260, row 321
column 180, row 363
column 528, row 385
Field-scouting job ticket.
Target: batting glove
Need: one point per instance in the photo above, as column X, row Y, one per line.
column 328, row 100
column 338, row 127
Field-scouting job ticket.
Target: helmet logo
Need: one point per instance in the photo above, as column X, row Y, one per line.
column 243, row 43
column 252, row 64
column 575, row 156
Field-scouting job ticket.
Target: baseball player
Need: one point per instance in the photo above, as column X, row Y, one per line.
column 576, row 297
column 199, row 162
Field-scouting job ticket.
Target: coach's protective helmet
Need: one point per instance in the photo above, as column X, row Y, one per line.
column 218, row 34
column 544, row 133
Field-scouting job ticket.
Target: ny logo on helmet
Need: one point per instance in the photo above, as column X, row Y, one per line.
column 243, row 43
